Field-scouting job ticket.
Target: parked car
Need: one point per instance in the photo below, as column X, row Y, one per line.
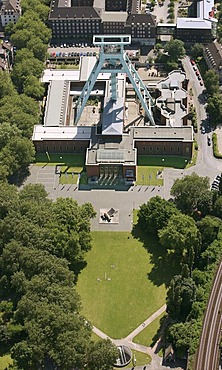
column 197, row 73
column 208, row 140
column 192, row 62
column 214, row 187
column 195, row 68
column 201, row 83
column 199, row 77
column 203, row 129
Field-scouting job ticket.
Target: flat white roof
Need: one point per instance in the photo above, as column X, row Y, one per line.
column 161, row 133
column 195, row 23
column 60, row 74
column 86, row 66
column 112, row 123
column 41, row 133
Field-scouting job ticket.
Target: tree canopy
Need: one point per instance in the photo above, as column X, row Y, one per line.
column 188, row 191
column 42, row 245
column 155, row 214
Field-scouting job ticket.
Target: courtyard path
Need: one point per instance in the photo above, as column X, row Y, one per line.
column 156, row 363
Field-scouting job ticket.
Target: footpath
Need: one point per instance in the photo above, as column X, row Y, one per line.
column 156, row 362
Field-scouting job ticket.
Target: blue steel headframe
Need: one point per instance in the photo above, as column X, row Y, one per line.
column 113, row 59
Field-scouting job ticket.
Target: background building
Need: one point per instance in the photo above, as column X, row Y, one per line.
column 10, row 11
column 68, row 19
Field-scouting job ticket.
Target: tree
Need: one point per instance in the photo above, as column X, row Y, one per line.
column 211, row 81
column 214, row 108
column 180, row 297
column 7, row 133
column 205, row 203
column 25, row 65
column 38, row 48
column 8, row 198
column 102, row 355
column 209, row 227
column 33, row 88
column 175, row 50
column 155, row 214
column 217, row 207
column 185, row 336
column 34, row 193
column 188, row 191
column 196, row 50
column 28, row 26
column 180, row 234
column 6, row 86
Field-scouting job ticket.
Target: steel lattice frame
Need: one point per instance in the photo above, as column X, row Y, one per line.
column 113, row 59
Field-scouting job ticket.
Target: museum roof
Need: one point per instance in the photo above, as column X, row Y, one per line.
column 41, row 133
column 161, row 133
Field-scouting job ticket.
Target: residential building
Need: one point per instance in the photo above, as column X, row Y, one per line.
column 6, row 55
column 213, row 56
column 10, row 11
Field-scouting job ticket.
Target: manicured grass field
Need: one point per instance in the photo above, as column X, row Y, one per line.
column 121, row 287
column 148, row 176
column 162, row 161
column 67, row 160
column 5, row 361
column 141, row 359
column 148, row 336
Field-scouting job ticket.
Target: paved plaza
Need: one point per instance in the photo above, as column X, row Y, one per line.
column 125, row 201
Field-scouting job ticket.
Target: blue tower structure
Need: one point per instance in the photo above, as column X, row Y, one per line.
column 113, row 59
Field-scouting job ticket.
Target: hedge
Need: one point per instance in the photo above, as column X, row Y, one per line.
column 216, row 152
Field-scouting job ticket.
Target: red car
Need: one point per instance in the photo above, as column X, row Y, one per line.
column 192, row 62
column 197, row 73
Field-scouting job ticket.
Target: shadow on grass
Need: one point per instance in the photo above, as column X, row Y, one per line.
column 159, row 334
column 165, row 266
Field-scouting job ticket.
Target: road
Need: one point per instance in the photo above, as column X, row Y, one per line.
column 205, row 152
column 208, row 352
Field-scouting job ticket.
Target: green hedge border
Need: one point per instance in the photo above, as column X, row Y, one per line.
column 216, row 152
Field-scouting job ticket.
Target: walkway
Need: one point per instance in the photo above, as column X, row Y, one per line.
column 156, row 363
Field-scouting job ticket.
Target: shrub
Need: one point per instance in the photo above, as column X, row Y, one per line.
column 216, row 152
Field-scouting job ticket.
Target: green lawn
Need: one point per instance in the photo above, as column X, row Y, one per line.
column 67, row 160
column 149, row 335
column 121, row 287
column 68, row 179
column 5, row 361
column 141, row 359
column 162, row 161
column 149, row 176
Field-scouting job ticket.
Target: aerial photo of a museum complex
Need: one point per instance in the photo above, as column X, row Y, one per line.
column 104, row 108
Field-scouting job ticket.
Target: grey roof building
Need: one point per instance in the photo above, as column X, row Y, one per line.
column 70, row 20
column 10, row 11
column 213, row 56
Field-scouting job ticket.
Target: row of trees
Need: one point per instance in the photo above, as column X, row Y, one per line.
column 189, row 228
column 42, row 249
column 21, row 90
column 214, row 106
